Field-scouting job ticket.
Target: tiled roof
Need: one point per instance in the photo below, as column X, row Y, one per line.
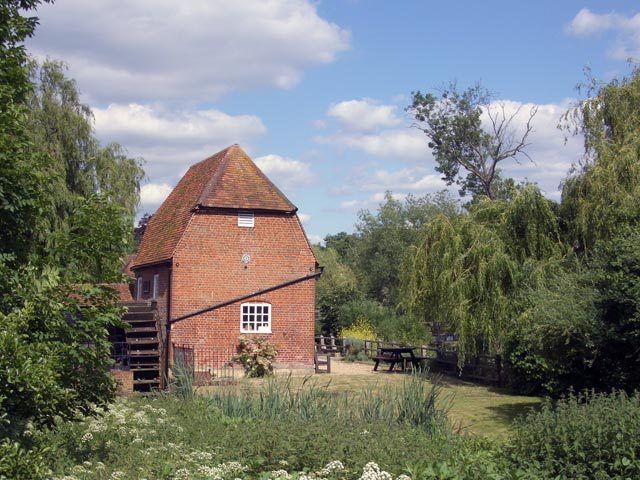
column 227, row 179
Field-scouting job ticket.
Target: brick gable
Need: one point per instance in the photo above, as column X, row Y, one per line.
column 227, row 180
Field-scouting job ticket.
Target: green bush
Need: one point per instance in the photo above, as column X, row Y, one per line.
column 387, row 323
column 54, row 352
column 585, row 436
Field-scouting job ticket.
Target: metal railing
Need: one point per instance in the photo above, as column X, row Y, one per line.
column 208, row 366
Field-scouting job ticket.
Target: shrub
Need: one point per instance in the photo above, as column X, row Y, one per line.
column 169, row 437
column 54, row 352
column 256, row 356
column 360, row 330
column 585, row 436
column 385, row 322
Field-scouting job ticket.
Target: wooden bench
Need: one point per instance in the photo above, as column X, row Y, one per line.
column 397, row 355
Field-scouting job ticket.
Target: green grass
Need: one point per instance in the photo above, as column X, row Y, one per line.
column 477, row 409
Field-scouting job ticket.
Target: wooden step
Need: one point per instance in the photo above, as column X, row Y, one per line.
column 142, row 330
column 142, row 341
column 147, row 381
column 144, row 353
column 134, row 368
column 138, row 316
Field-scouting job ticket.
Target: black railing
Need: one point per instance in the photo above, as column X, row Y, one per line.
column 208, row 366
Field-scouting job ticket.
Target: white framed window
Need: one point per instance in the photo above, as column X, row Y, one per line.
column 255, row 318
column 139, row 289
column 246, row 219
column 156, row 280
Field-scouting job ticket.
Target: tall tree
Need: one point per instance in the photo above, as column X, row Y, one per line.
column 22, row 196
column 460, row 140
column 385, row 236
column 62, row 126
column 602, row 197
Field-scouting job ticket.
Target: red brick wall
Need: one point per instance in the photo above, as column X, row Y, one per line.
column 207, row 269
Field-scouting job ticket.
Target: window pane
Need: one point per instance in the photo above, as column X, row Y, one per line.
column 266, row 309
column 245, row 309
column 252, row 309
column 245, row 326
column 265, row 318
column 259, row 308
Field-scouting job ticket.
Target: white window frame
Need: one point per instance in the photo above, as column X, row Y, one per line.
column 248, row 321
column 156, row 281
column 139, row 288
column 246, row 219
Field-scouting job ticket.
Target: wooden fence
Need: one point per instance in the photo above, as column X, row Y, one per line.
column 441, row 356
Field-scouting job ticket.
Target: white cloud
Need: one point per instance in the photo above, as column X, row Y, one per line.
column 587, row 23
column 406, row 144
column 416, row 180
column 149, row 50
column 152, row 195
column 370, row 202
column 285, row 172
column 171, row 140
column 304, row 217
column 364, row 115
column 552, row 157
column 315, row 239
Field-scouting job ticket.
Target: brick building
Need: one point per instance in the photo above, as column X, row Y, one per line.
column 226, row 255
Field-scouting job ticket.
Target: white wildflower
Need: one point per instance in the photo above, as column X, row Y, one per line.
column 87, row 437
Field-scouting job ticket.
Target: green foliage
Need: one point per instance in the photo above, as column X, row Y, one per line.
column 554, row 342
column 614, row 270
column 461, row 279
column 336, row 286
column 604, row 194
column 17, row 462
column 256, row 354
column 193, row 437
column 453, row 125
column 92, row 247
column 54, row 355
column 62, row 128
column 387, row 323
column 586, row 436
column 361, row 329
column 22, row 187
column 469, row 274
column 385, row 236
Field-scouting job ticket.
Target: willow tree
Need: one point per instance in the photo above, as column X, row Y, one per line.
column 468, row 274
column 460, row 278
column 61, row 126
column 603, row 195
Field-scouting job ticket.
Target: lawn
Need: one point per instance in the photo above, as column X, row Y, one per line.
column 478, row 409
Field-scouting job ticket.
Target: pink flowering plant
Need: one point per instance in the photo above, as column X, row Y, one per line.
column 256, row 354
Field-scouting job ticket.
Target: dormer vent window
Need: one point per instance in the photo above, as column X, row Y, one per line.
column 246, row 219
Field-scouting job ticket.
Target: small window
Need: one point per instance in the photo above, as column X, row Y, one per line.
column 255, row 318
column 245, row 219
column 156, row 280
column 139, row 288
column 146, row 286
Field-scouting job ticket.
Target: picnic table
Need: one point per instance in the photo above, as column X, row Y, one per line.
column 397, row 355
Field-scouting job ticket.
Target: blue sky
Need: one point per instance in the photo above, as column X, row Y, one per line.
column 315, row 91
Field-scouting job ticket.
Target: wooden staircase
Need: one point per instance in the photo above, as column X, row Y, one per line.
column 144, row 345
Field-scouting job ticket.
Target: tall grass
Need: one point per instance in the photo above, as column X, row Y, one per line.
column 414, row 403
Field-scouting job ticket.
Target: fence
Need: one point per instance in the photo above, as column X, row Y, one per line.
column 441, row 356
column 213, row 366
